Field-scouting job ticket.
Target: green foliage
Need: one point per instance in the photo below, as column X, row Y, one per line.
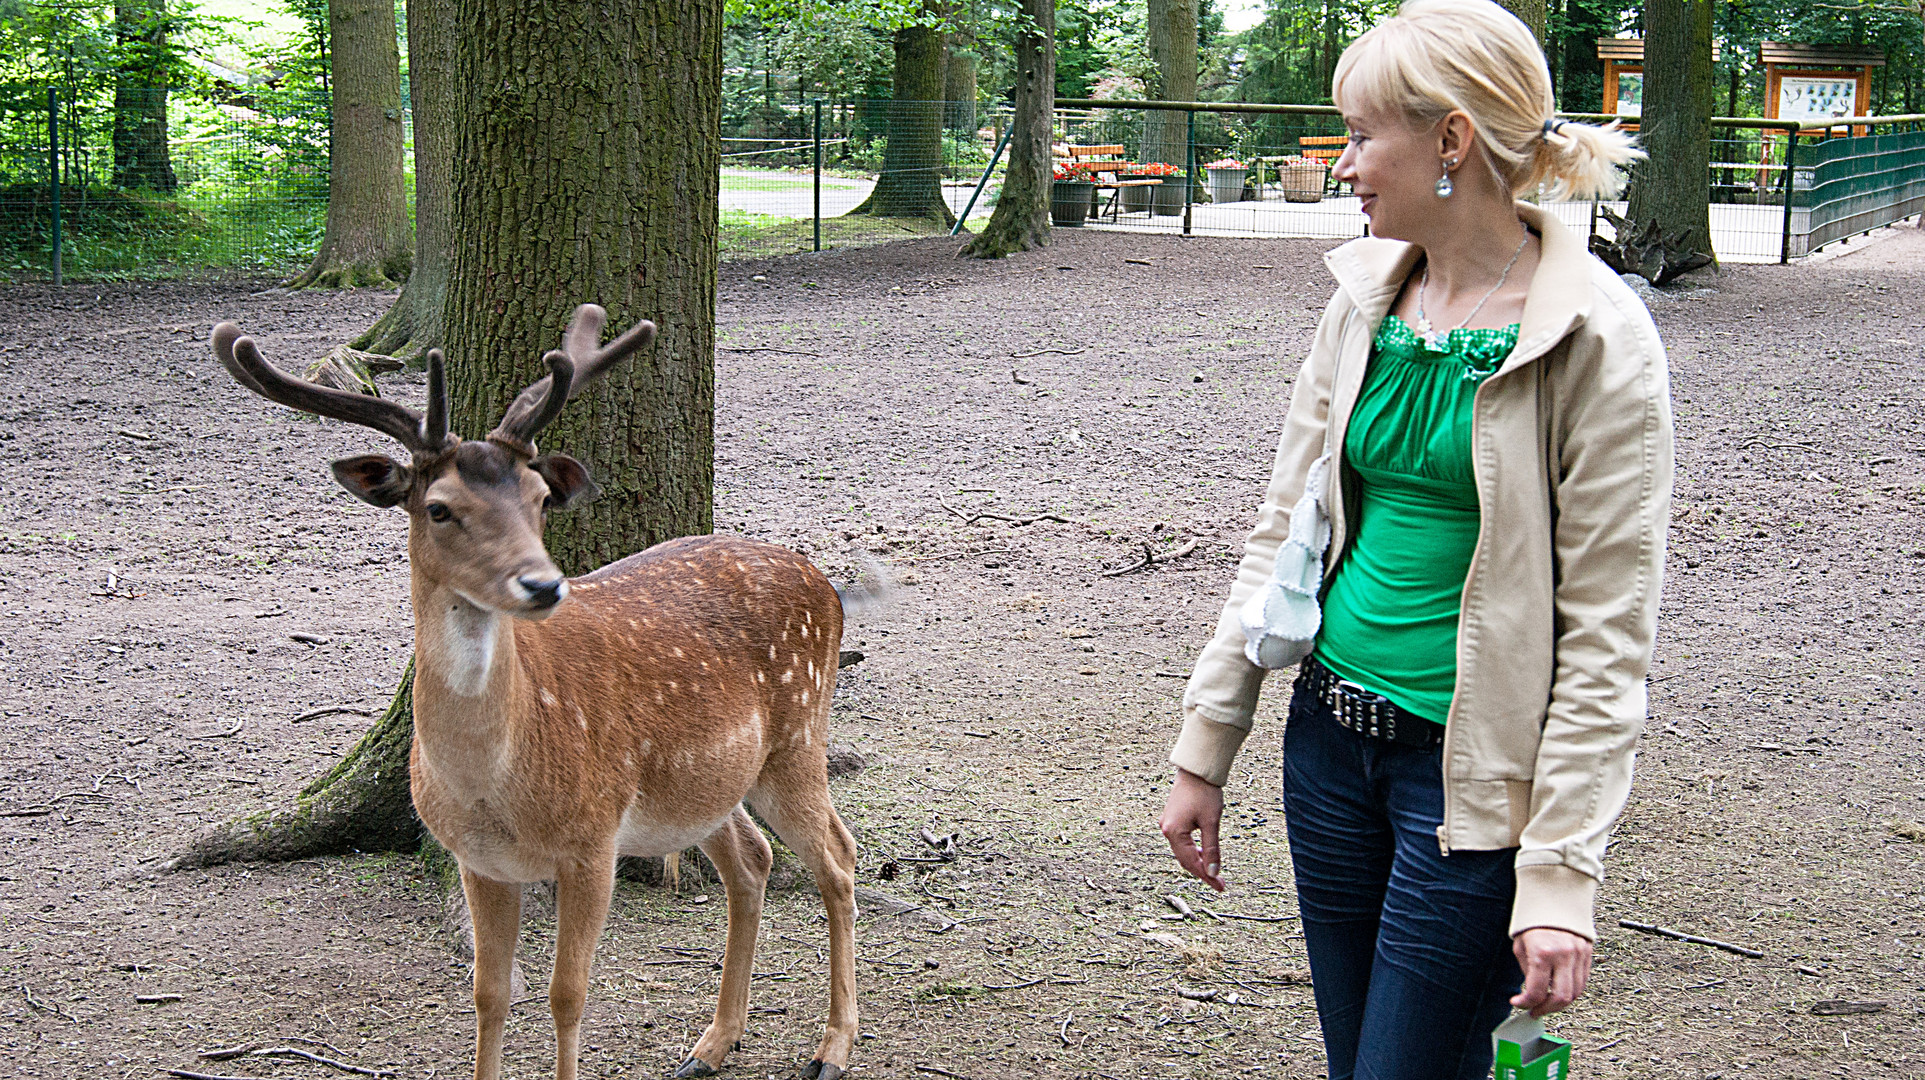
column 834, row 52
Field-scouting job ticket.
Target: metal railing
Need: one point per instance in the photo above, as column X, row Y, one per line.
column 1768, row 201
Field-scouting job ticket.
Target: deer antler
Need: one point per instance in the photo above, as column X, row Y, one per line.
column 244, row 361
column 571, row 370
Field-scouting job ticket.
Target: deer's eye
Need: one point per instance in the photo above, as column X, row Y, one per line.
column 439, row 512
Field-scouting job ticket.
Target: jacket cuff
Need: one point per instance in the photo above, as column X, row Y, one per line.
column 1556, row 896
column 1206, row 747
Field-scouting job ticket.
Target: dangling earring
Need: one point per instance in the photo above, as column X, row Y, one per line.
column 1444, row 187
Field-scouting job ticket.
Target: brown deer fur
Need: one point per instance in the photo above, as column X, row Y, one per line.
column 633, row 711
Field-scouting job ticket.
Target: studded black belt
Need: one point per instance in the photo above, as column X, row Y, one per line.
column 1366, row 712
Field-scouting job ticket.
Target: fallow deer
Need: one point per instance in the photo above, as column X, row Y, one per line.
column 635, row 710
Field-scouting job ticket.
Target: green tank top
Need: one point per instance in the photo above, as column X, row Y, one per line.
column 1390, row 611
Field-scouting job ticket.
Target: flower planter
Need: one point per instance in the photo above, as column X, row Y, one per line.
column 1168, row 196
column 1136, row 200
column 1069, row 201
column 1226, row 185
column 1302, row 183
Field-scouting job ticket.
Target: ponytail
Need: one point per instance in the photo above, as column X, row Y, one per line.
column 1579, row 161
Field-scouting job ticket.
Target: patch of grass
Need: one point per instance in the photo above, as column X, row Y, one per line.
column 753, row 236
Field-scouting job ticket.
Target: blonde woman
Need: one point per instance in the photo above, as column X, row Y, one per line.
column 1496, row 407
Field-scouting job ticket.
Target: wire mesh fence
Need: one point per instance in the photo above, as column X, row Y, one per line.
column 153, row 184
column 166, row 185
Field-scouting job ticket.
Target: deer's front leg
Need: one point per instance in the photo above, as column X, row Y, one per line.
column 581, row 907
column 495, row 909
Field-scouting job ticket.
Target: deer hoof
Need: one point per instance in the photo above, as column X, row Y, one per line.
column 821, row 1070
column 695, row 1066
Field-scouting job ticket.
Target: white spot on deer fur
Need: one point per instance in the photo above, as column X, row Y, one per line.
column 678, row 652
column 761, row 676
column 771, row 652
column 581, row 717
column 812, row 669
column 673, row 685
column 647, row 745
column 788, row 677
column 631, row 625
column 628, row 761
column 805, row 697
column 546, row 697
column 471, row 634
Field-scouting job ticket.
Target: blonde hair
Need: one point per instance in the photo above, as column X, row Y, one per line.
column 1439, row 56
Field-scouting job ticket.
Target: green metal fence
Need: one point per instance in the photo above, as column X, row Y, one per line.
column 1849, row 185
column 251, row 182
column 248, row 189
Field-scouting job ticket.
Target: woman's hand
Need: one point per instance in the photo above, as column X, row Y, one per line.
column 1190, row 819
column 1556, row 964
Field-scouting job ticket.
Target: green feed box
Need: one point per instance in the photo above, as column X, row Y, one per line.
column 1524, row 1052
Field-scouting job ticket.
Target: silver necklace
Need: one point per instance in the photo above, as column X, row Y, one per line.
column 1440, row 342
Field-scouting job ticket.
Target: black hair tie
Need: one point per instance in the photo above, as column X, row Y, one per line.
column 1551, row 127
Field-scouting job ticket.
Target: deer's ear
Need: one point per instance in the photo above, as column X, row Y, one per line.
column 568, row 481
column 374, row 478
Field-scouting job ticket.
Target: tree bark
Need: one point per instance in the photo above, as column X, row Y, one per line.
column 1532, row 14
column 1173, row 48
column 959, row 92
column 1672, row 187
column 413, row 325
column 141, row 157
column 366, row 242
column 910, row 184
column 1021, row 219
column 594, row 179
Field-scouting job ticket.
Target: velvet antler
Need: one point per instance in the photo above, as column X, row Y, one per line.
column 574, row 368
column 243, row 360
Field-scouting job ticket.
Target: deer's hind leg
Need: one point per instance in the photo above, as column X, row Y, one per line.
column 793, row 797
column 743, row 859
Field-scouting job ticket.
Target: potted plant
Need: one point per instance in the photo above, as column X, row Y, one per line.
column 1226, row 180
column 1166, row 198
column 1070, row 195
column 1302, row 179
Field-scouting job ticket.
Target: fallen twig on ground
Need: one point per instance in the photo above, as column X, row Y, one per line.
column 229, row 733
column 1691, row 939
column 1180, row 906
column 764, row 348
column 223, row 1053
column 306, row 1055
column 155, row 999
column 27, row 992
column 1248, row 918
column 189, row 1074
column 940, row 1072
column 330, row 710
column 1848, row 1008
column 1195, row 995
column 1152, row 557
column 1040, row 352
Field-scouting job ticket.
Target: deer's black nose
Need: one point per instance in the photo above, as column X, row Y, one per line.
column 542, row 593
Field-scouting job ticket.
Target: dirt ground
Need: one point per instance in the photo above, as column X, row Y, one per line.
column 165, row 534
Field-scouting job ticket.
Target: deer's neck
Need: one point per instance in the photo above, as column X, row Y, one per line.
column 467, row 671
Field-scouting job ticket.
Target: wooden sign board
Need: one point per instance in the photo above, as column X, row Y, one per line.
column 1624, row 76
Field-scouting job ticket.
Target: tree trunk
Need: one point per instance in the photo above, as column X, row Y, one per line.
column 1021, row 220
column 140, row 97
column 910, row 184
column 1672, row 187
column 413, row 325
column 597, row 180
column 1532, row 14
column 366, row 242
column 1172, row 25
column 959, row 92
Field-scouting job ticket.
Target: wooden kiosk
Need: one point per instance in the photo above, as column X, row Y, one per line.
column 1818, row 82
column 1624, row 77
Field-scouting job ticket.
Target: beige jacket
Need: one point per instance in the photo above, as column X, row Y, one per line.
column 1571, row 445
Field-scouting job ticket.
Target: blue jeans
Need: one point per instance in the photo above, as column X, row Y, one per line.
column 1410, row 954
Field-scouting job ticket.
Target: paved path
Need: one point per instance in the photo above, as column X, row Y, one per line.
column 791, row 195
column 1742, row 234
